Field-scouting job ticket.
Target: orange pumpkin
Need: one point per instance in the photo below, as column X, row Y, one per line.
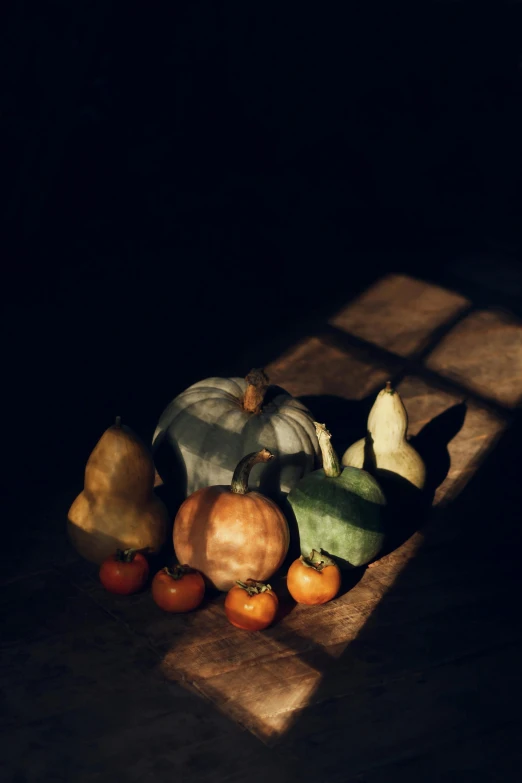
column 231, row 533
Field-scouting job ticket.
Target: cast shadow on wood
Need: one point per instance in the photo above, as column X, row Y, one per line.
column 345, row 419
column 407, row 506
column 432, row 444
column 446, row 626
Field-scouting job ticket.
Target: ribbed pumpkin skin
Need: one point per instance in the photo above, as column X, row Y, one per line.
column 342, row 516
column 227, row 536
column 202, row 435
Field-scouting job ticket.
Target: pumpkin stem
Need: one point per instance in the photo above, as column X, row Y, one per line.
column 255, row 392
column 331, row 464
column 253, row 587
column 117, row 423
column 242, row 472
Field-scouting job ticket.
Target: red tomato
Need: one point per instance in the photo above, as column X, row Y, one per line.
column 313, row 580
column 178, row 589
column 125, row 572
column 251, row 605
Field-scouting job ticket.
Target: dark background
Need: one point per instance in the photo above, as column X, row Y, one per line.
column 183, row 181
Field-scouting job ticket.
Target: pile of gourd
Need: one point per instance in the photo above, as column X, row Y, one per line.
column 245, row 456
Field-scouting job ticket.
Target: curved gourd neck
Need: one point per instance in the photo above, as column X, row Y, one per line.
column 388, row 420
column 331, row 465
column 239, row 485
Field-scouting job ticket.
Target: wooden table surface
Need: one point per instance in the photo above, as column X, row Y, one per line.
column 396, row 667
column 265, row 681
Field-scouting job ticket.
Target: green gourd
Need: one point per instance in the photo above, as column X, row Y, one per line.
column 339, row 510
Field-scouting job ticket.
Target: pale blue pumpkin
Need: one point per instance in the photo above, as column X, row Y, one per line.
column 207, row 429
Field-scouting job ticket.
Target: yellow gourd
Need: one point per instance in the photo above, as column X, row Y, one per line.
column 117, row 508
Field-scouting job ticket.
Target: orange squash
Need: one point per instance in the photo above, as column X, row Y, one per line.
column 229, row 533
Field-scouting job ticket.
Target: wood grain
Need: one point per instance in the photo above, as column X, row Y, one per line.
column 266, row 681
column 484, row 353
column 400, row 313
column 415, row 636
column 316, row 367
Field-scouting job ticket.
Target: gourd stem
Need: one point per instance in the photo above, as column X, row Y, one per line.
column 255, row 392
column 242, row 472
column 331, row 464
column 117, row 423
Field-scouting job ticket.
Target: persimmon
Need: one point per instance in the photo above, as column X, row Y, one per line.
column 251, row 605
column 178, row 589
column 125, row 572
column 313, row 580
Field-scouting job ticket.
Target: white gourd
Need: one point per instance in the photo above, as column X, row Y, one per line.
column 385, row 444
